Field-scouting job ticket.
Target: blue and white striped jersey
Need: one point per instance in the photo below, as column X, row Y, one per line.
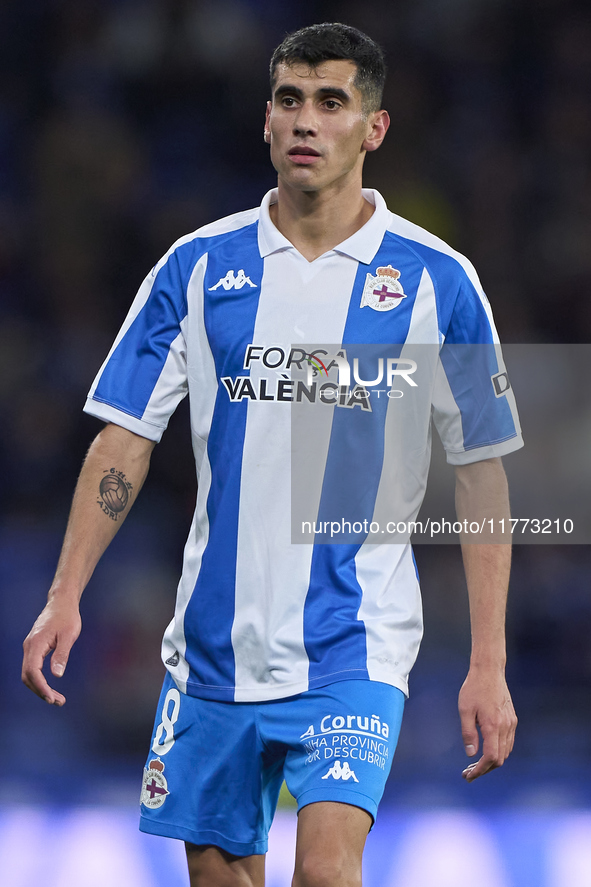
column 258, row 617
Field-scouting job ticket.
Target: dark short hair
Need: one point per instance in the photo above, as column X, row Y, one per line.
column 335, row 41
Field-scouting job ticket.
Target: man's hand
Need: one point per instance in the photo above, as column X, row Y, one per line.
column 485, row 702
column 57, row 628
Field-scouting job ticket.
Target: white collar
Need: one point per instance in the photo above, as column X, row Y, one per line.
column 361, row 246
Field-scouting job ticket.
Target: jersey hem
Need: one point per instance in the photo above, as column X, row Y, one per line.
column 229, row 694
column 490, row 451
column 108, row 413
column 396, row 681
column 201, row 836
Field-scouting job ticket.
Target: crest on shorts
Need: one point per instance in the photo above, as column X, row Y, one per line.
column 384, row 291
column 154, row 785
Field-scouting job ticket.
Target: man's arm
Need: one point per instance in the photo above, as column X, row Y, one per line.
column 99, row 508
column 484, row 700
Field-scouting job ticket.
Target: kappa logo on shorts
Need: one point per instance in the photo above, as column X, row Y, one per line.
column 341, row 771
column 232, row 281
column 154, row 785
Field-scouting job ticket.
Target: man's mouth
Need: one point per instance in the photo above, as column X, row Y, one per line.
column 303, row 154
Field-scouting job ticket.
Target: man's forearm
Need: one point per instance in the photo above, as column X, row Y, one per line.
column 111, row 477
column 485, row 701
column 482, row 493
column 487, row 576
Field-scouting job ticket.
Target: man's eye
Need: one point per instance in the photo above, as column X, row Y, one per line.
column 331, row 104
column 288, row 101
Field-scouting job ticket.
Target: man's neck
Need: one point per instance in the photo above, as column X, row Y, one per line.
column 315, row 222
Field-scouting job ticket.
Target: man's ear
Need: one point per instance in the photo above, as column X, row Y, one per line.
column 267, row 129
column 378, row 124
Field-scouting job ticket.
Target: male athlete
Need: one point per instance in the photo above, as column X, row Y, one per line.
column 283, row 660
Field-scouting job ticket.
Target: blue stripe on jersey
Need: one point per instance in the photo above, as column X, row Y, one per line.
column 334, row 636
column 356, row 451
column 469, row 370
column 469, row 366
column 229, row 321
column 131, row 374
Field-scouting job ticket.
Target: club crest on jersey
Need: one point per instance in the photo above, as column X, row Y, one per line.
column 384, row 291
column 154, row 785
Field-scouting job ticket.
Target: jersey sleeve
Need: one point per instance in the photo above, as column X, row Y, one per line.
column 144, row 376
column 473, row 406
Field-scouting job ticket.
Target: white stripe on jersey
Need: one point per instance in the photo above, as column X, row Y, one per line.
column 424, row 327
column 391, row 611
column 200, row 366
column 306, row 315
column 172, row 386
column 401, row 437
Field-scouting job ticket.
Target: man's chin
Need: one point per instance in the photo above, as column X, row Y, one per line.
column 301, row 179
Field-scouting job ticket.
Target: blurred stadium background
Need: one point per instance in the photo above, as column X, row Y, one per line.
column 124, row 124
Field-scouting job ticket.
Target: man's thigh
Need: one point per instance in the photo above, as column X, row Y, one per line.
column 330, row 842
column 213, row 867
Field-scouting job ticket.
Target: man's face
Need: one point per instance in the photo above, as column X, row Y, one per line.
column 316, row 125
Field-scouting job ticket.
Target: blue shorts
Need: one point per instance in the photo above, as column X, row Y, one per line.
column 215, row 769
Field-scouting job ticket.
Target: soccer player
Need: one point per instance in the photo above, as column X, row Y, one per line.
column 283, row 660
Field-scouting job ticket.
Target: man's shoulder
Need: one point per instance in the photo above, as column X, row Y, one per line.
column 227, row 226
column 431, row 249
column 190, row 248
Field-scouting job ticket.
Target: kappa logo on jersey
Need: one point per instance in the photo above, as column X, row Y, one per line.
column 154, row 785
column 384, row 291
column 233, row 281
column 341, row 771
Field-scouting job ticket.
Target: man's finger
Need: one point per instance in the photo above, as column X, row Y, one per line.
column 511, row 734
column 35, row 651
column 34, row 679
column 59, row 660
column 493, row 754
column 473, row 771
column 469, row 733
column 36, row 647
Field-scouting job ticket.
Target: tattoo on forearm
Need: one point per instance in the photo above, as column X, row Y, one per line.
column 114, row 493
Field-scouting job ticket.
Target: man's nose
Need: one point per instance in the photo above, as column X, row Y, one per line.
column 306, row 122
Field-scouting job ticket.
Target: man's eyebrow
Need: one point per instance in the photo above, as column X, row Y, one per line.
column 336, row 92
column 333, row 91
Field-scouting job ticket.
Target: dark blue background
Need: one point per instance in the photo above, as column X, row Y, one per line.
column 124, row 125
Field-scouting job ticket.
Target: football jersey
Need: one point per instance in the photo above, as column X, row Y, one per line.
column 221, row 317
